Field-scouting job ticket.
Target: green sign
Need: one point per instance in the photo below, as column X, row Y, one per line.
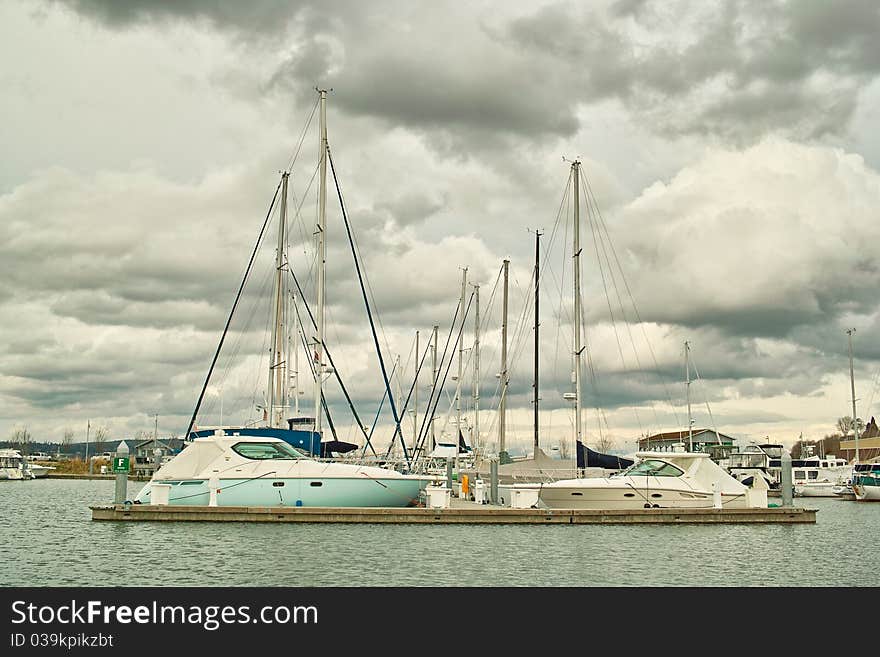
column 120, row 464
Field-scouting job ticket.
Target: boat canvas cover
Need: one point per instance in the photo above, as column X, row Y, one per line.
column 192, row 462
column 588, row 458
column 444, row 451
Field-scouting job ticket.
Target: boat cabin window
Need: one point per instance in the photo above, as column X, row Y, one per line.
column 813, row 474
column 800, row 474
column 655, row 468
column 265, row 451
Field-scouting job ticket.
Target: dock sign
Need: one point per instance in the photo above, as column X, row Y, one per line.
column 121, row 464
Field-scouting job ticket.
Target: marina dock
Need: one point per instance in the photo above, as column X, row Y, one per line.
column 461, row 512
column 97, row 477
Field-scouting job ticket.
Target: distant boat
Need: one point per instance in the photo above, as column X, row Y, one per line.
column 866, row 481
column 819, row 477
column 40, row 470
column 13, row 466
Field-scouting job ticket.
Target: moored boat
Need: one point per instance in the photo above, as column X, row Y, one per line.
column 39, row 470
column 266, row 471
column 866, row 481
column 656, row 480
column 13, row 465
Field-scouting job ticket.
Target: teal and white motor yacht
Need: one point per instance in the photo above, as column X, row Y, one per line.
column 236, row 470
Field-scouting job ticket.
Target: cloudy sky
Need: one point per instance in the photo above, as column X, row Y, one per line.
column 730, row 150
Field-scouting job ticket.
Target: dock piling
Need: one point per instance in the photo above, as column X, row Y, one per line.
column 120, row 467
column 785, row 484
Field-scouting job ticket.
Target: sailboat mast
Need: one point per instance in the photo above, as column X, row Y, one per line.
column 578, row 349
column 502, row 407
column 399, row 371
column 537, row 325
column 416, row 394
column 276, row 364
column 687, row 369
column 295, row 352
column 460, row 363
column 322, row 260
column 476, row 437
column 433, row 384
column 852, row 385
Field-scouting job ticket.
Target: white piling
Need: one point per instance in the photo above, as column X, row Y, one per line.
column 213, row 487
column 121, row 477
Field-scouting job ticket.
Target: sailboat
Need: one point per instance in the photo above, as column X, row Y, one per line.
column 655, row 479
column 274, row 464
column 865, row 480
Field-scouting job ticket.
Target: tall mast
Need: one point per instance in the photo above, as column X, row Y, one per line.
column 460, row 362
column 537, row 325
column 578, row 349
column 416, row 394
column 399, row 394
column 277, row 368
column 433, row 384
column 295, row 352
column 476, row 435
column 687, row 369
column 502, row 407
column 322, row 254
column 852, row 385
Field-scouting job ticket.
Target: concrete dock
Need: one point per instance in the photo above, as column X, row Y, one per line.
column 461, row 512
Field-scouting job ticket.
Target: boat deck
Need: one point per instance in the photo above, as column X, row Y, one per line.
column 460, row 512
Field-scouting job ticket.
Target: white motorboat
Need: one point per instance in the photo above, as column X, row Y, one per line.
column 13, row 465
column 265, row 471
column 866, row 481
column 39, row 470
column 819, row 477
column 656, row 480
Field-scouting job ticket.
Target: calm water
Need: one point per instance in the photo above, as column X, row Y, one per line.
column 47, row 538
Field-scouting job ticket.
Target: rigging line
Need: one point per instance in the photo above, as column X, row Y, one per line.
column 348, row 398
column 302, row 136
column 412, row 387
column 441, row 389
column 593, row 205
column 376, row 420
column 232, row 311
column 428, row 417
column 330, row 358
column 593, row 382
column 301, row 224
column 641, row 322
column 397, row 431
column 706, row 398
column 593, row 230
column 485, row 326
column 208, row 406
column 449, row 364
column 874, row 384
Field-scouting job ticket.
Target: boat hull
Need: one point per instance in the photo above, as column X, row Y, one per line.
column 577, row 497
column 11, row 474
column 39, row 471
column 305, row 492
column 816, row 490
column 865, row 493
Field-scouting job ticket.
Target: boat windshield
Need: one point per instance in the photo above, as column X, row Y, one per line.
column 654, row 468
column 265, row 451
